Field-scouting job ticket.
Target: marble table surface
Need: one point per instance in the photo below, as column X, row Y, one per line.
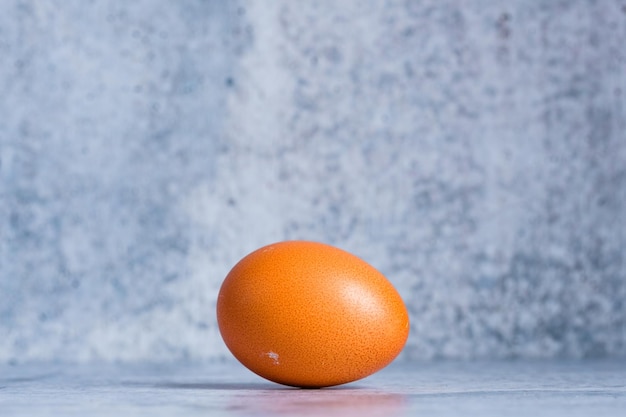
column 517, row 388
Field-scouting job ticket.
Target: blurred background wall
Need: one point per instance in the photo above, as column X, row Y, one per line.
column 473, row 151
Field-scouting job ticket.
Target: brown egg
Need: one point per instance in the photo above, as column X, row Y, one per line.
column 307, row 314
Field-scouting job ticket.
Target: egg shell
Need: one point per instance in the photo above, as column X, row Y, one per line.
column 307, row 314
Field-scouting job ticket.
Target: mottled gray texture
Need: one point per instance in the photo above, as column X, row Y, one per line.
column 439, row 389
column 475, row 152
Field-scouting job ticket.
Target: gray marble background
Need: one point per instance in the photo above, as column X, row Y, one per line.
column 473, row 151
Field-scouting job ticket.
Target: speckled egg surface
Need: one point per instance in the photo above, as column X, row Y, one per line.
column 307, row 314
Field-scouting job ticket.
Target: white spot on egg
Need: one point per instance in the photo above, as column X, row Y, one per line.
column 273, row 356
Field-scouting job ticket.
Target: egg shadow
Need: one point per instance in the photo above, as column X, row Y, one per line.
column 234, row 386
column 252, row 398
